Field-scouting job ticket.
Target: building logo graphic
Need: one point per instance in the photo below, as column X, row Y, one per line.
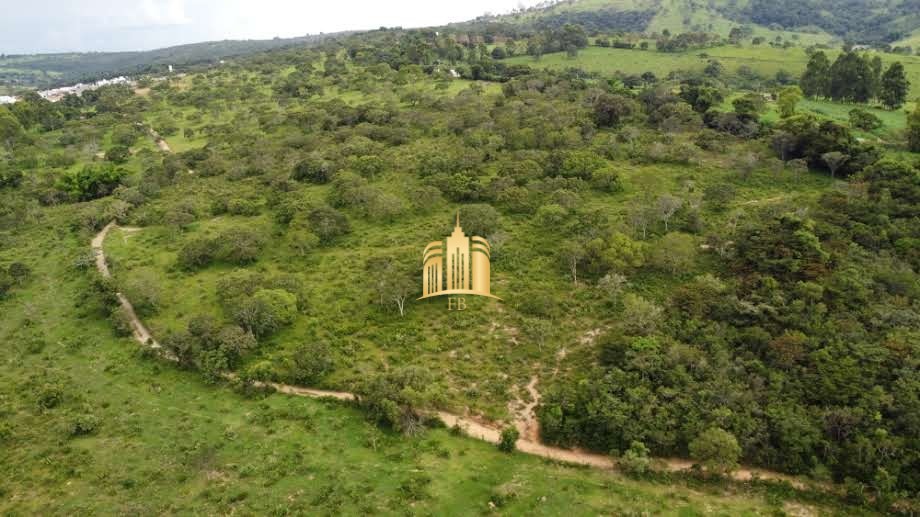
column 458, row 265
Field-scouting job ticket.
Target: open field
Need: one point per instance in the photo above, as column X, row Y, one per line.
column 764, row 60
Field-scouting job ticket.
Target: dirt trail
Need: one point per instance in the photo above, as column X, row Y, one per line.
column 161, row 143
column 529, row 443
column 141, row 334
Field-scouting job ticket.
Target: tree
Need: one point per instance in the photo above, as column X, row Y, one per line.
column 266, row 311
column 612, row 285
column 834, row 160
column 862, row 119
column 393, row 282
column 815, row 81
column 640, row 316
column 894, row 86
column 851, row 78
column 788, row 98
column 611, row 110
column 913, row 130
column 717, row 450
column 118, row 154
column 92, row 181
column 479, row 219
column 572, row 253
column 667, row 206
column 314, row 169
column 675, row 252
column 10, row 128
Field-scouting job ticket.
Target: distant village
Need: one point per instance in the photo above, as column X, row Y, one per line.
column 56, row 94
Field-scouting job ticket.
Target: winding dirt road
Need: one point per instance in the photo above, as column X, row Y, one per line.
column 529, row 443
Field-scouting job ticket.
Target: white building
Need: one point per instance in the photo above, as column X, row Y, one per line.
column 7, row 99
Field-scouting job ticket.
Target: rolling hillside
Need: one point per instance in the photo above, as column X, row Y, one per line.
column 46, row 70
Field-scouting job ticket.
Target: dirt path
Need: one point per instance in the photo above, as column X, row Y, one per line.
column 529, row 443
column 161, row 143
column 141, row 334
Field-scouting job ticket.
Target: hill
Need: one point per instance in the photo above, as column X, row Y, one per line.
column 48, row 70
column 813, row 21
column 693, row 275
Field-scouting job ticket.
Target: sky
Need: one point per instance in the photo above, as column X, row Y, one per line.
column 40, row 26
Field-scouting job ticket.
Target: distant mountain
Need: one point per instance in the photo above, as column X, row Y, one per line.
column 46, row 70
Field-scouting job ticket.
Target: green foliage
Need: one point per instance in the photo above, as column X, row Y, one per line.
column 635, row 461
column 862, row 119
column 913, row 130
column 789, row 97
column 508, row 440
column 92, row 181
column 717, row 450
column 394, row 399
column 266, row 312
column 894, row 86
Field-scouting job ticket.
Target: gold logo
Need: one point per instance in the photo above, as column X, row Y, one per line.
column 456, row 266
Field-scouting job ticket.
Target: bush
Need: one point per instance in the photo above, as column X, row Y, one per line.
column 50, row 395
column 314, row 169
column 635, row 461
column 717, row 450
column 240, row 245
column 312, row 362
column 197, row 252
column 91, row 181
column 481, row 220
column 328, row 223
column 239, row 206
column 267, row 311
column 862, row 119
column 118, row 154
column 82, row 424
column 508, row 440
column 393, row 398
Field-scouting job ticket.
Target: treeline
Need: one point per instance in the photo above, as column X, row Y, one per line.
column 601, row 20
column 855, row 77
column 854, row 20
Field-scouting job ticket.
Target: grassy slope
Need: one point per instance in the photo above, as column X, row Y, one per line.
column 166, row 443
column 764, row 60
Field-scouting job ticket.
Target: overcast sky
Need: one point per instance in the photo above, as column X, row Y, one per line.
column 34, row 26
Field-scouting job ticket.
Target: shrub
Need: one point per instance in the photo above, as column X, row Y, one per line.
column 91, row 181
column 862, row 119
column 607, row 179
column 314, row 169
column 267, row 311
column 197, row 252
column 635, row 461
column 238, row 206
column 507, row 442
column 82, row 424
column 481, row 219
column 393, row 398
column 240, row 245
column 118, row 154
column 312, row 362
column 328, row 223
column 717, row 450
column 50, row 395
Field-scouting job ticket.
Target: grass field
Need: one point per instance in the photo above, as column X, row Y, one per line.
column 764, row 60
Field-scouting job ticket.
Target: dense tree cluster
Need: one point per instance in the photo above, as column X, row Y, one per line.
column 855, row 77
